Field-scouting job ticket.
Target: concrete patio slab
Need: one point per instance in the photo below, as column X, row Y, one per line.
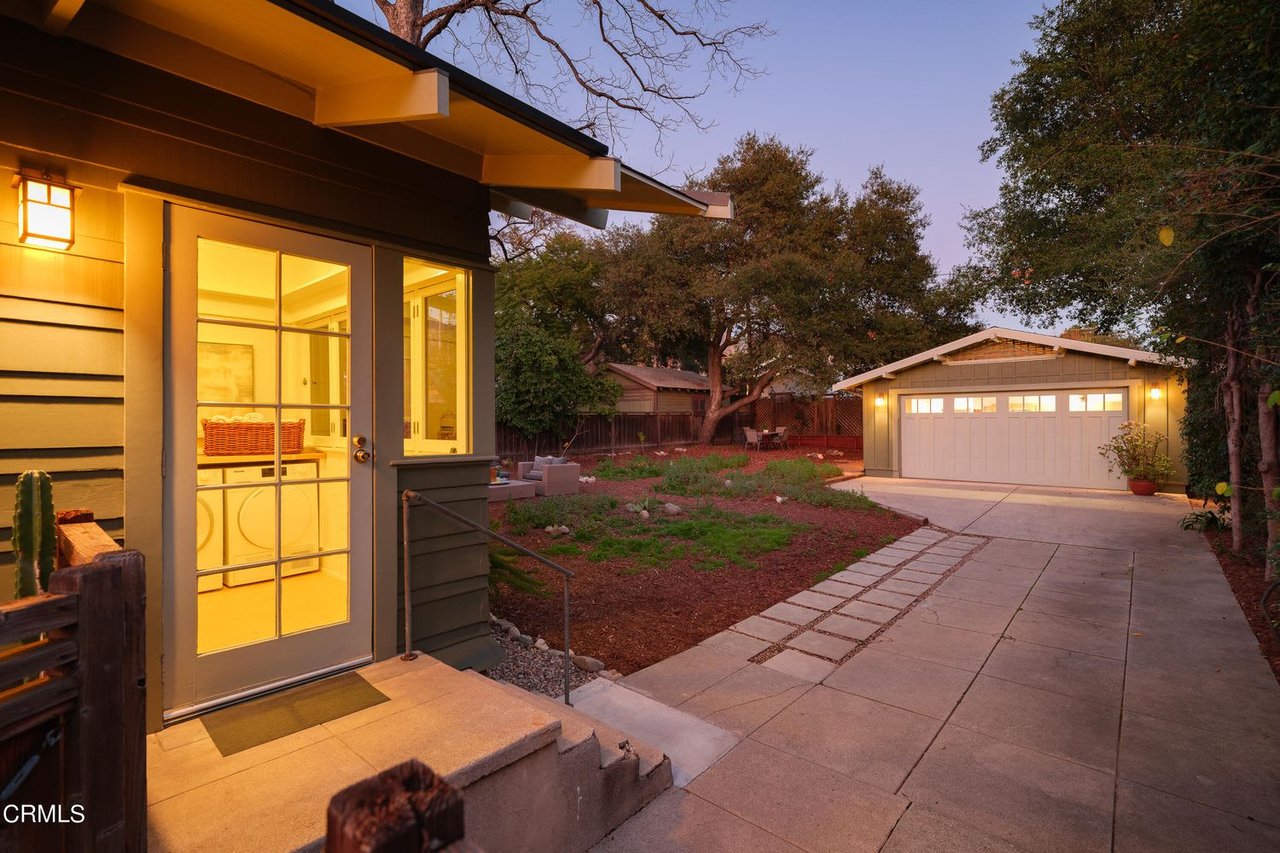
column 1147, row 820
column 976, row 569
column 765, row 629
column 1028, row 799
column 915, row 685
column 917, row 638
column 747, row 699
column 861, row 738
column 969, row 615
column 1079, row 731
column 922, row 829
column 681, row 822
column 986, row 592
column 1093, row 608
column 677, row 678
column 736, row 645
column 811, row 806
column 1239, row 776
column 1017, row 553
column 800, row 665
column 953, row 506
column 1211, row 703
column 1074, row 635
column 1088, row 677
column 692, row 744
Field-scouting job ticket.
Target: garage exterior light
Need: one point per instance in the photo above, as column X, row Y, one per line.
column 1155, row 393
column 880, row 401
column 46, row 212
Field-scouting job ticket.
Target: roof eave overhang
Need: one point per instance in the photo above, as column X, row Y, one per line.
column 362, row 80
column 888, row 371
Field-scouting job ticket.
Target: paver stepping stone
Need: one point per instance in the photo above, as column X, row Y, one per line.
column 765, row 629
column 834, row 587
column 969, row 615
column 747, row 699
column 822, row 645
column 926, row 568
column 858, row 578
column 792, row 613
column 816, row 600
column 845, row 626
column 881, row 559
column 1095, row 679
column 875, row 570
column 937, row 559
column 1016, row 794
column 907, row 587
column 891, row 599
column 800, row 665
column 909, row 574
column 877, row 613
column 947, row 550
column 823, row 810
column 1079, row 731
column 925, row 687
column 870, row 741
column 914, row 637
column 907, row 545
column 736, row 645
column 896, row 553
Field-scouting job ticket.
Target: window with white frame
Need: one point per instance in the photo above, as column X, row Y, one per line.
column 1095, row 402
column 975, row 405
column 437, row 359
column 925, row 405
column 1033, row 403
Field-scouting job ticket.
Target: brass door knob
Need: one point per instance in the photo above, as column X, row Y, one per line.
column 362, row 456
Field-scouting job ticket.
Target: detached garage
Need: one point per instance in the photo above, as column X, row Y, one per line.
column 1008, row 406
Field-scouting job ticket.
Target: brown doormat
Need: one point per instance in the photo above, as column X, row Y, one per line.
column 259, row 721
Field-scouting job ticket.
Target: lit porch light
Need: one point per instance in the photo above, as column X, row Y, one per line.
column 1155, row 393
column 880, row 400
column 46, row 211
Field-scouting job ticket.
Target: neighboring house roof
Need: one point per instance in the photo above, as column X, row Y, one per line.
column 324, row 64
column 1040, row 346
column 664, row 378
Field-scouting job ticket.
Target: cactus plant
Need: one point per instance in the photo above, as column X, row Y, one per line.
column 34, row 538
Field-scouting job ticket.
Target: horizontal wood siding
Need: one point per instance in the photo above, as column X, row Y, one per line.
column 1070, row 367
column 61, row 365
column 636, row 398
column 449, row 577
column 676, row 401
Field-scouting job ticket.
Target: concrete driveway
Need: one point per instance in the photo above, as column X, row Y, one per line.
column 1088, row 517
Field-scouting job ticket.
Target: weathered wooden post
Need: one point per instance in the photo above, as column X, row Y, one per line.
column 404, row 809
column 106, row 733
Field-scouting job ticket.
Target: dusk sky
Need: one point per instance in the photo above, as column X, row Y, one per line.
column 906, row 84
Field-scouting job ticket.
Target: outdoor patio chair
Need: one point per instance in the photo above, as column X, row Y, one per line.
column 752, row 437
column 550, row 476
column 780, row 437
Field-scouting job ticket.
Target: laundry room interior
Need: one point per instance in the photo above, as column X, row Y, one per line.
column 272, row 371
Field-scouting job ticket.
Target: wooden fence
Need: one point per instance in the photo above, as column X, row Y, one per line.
column 72, row 711
column 831, row 422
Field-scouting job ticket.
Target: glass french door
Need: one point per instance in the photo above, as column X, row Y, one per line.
column 270, row 483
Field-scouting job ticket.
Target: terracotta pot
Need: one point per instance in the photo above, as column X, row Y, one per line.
column 1145, row 488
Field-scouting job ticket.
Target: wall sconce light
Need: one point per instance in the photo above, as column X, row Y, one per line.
column 880, row 401
column 46, row 211
column 1155, row 393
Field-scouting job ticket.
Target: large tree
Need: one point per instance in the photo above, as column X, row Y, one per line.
column 603, row 64
column 803, row 282
column 1140, row 142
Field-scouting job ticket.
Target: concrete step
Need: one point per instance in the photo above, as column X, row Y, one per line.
column 691, row 743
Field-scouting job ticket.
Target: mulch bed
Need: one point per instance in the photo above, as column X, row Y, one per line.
column 632, row 620
column 1248, row 581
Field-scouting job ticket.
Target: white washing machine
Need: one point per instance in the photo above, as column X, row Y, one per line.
column 251, row 515
column 210, row 540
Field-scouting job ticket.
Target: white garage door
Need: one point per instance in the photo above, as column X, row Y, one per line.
column 1043, row 437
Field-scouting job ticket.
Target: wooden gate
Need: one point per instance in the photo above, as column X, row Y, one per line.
column 72, row 711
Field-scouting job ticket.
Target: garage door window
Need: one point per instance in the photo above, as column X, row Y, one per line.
column 1033, row 403
column 924, row 405
column 975, row 405
column 1095, row 402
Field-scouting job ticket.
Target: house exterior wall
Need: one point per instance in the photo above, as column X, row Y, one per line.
column 81, row 344
column 882, row 454
column 677, row 401
column 636, row 398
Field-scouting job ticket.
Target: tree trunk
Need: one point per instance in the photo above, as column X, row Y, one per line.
column 1233, row 403
column 1269, row 468
column 717, row 409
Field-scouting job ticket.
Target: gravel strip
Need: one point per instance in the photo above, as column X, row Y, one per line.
column 534, row 669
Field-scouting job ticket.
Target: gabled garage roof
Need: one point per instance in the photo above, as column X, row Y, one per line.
column 319, row 62
column 658, row 378
column 995, row 333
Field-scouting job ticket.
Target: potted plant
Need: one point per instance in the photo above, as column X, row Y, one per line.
column 1136, row 454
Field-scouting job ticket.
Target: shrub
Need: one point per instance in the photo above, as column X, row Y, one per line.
column 639, row 467
column 573, row 511
column 1136, row 454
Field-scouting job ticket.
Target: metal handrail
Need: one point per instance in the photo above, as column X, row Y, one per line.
column 410, row 498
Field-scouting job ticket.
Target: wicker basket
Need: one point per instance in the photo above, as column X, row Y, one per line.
column 251, row 439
